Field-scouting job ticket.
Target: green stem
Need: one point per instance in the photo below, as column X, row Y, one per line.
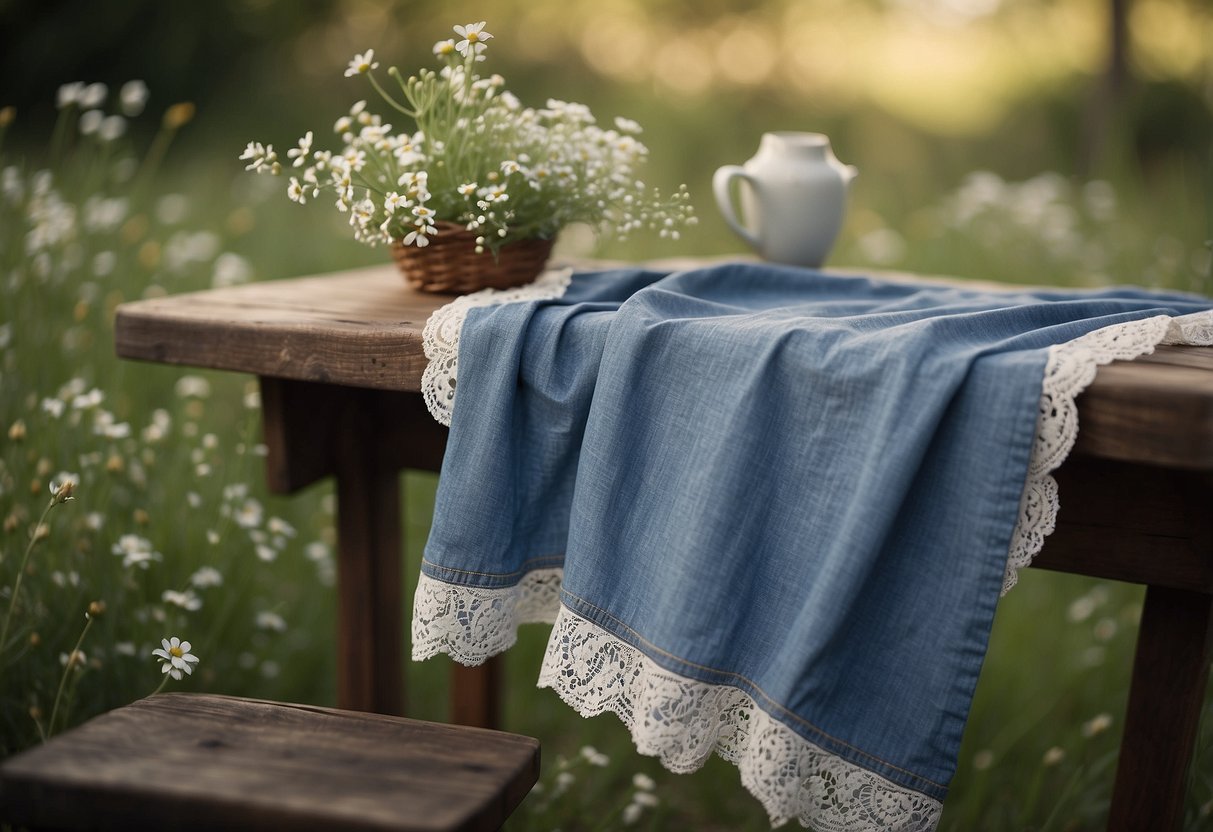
column 455, row 159
column 12, row 601
column 388, row 98
column 67, row 671
column 160, row 687
column 155, row 156
column 59, row 136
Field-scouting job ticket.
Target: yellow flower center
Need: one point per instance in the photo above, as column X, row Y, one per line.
column 364, row 67
column 176, row 651
column 473, row 37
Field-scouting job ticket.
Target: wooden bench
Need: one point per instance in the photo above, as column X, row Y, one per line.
column 340, row 361
column 199, row 762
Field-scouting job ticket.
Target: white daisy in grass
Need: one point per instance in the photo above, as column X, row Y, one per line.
column 269, row 620
column 93, row 96
column 187, row 600
column 175, row 657
column 133, row 97
column 206, row 577
column 135, row 551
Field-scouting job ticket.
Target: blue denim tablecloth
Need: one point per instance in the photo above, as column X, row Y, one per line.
column 768, row 509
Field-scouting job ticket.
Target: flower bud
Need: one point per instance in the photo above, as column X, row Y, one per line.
column 62, row 492
column 179, row 115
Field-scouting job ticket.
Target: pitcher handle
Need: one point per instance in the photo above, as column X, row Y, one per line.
column 721, row 184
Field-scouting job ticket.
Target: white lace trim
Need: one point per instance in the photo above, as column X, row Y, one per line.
column 682, row 721
column 440, row 338
column 473, row 623
column 1068, row 371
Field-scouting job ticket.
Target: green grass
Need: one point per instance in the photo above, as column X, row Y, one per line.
column 183, row 480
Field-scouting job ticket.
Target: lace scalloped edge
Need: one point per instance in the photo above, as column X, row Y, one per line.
column 440, row 337
column 1069, row 369
column 683, row 721
column 473, row 624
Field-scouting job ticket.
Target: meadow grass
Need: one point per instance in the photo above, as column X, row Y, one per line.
column 172, row 529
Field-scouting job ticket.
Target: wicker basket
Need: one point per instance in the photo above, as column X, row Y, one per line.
column 450, row 264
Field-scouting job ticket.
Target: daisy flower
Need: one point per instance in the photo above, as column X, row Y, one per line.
column 626, row 125
column 419, row 237
column 259, row 157
column 361, row 64
column 133, row 97
column 187, row 600
column 295, row 191
column 175, row 657
column 299, row 154
column 473, row 36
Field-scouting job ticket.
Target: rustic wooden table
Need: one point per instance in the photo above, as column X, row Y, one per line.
column 340, row 361
column 196, row 762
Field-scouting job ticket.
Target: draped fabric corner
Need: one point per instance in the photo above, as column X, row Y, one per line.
column 769, row 511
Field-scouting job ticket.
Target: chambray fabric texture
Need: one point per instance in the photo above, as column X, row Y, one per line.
column 796, row 484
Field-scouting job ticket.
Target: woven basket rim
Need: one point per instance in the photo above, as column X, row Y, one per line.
column 450, row 264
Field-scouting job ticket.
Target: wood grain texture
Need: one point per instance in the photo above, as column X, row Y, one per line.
column 299, row 425
column 1165, row 698
column 360, row 328
column 1129, row 522
column 1157, row 409
column 302, row 423
column 476, row 693
column 363, row 329
column 371, row 641
column 202, row 762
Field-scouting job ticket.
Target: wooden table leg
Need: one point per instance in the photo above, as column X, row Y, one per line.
column 476, row 694
column 314, row 430
column 370, row 583
column 365, row 438
column 1165, row 699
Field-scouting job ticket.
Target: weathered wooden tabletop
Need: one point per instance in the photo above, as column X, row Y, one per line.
column 363, row 329
column 198, row 761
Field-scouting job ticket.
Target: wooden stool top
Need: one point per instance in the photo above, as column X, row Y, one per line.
column 203, row 762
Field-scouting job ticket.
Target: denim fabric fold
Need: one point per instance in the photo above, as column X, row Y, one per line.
column 769, row 509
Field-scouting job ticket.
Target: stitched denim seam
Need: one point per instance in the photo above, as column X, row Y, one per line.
column 554, row 560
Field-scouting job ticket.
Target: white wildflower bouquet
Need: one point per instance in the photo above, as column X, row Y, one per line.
column 474, row 159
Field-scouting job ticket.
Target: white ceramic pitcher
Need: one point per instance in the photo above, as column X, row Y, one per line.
column 793, row 198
